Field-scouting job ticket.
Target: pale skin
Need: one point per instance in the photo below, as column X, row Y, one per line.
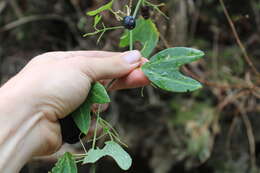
column 50, row 87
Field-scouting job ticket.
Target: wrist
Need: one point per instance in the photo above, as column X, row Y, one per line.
column 19, row 139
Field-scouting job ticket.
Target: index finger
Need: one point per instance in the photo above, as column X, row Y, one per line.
column 93, row 53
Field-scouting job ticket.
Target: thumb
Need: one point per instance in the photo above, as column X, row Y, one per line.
column 110, row 67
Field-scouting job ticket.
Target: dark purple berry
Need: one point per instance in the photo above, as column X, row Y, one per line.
column 145, row 12
column 129, row 22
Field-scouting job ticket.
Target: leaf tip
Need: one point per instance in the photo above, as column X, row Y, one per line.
column 199, row 86
column 90, row 13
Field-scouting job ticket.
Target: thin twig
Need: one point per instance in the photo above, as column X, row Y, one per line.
column 102, row 30
column 215, row 84
column 29, row 19
column 18, row 12
column 36, row 18
column 230, row 134
column 256, row 13
column 250, row 134
column 130, row 4
column 2, row 6
column 164, row 40
column 238, row 40
column 231, row 98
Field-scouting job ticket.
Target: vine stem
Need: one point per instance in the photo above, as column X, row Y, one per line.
column 93, row 169
column 95, row 132
column 131, row 47
column 131, row 44
column 137, row 8
column 238, row 40
column 102, row 30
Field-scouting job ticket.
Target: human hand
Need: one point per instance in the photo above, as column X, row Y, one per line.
column 54, row 84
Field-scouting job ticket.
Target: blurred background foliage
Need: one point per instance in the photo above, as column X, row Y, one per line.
column 213, row 130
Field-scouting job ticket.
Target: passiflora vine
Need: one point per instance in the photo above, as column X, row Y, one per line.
column 163, row 70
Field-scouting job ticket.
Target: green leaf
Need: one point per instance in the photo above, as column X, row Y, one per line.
column 163, row 69
column 65, row 164
column 97, row 20
column 98, row 94
column 82, row 117
column 146, row 33
column 113, row 150
column 93, row 155
column 100, row 9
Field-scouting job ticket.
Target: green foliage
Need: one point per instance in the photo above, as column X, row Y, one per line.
column 98, row 94
column 198, row 123
column 155, row 7
column 65, row 164
column 97, row 20
column 146, row 33
column 232, row 166
column 107, row 6
column 81, row 116
column 199, row 143
column 113, row 150
column 163, row 69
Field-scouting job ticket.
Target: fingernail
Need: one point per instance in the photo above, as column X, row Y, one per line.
column 132, row 56
column 144, row 60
